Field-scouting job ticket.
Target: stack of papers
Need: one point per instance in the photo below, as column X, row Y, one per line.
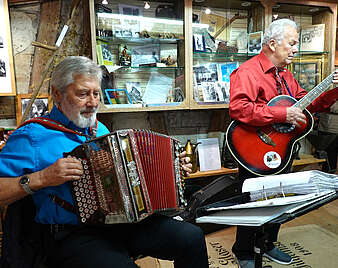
column 271, row 197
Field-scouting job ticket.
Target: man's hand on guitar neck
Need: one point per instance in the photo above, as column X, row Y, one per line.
column 295, row 116
column 335, row 78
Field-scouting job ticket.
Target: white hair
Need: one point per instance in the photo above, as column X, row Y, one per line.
column 276, row 30
column 64, row 72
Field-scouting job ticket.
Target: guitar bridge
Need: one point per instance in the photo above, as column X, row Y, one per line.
column 265, row 138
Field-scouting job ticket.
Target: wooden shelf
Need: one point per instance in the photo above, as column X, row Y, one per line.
column 305, row 159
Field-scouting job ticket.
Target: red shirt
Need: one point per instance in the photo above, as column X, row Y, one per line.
column 253, row 85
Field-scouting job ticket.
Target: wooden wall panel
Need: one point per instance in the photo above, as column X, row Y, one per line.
column 47, row 34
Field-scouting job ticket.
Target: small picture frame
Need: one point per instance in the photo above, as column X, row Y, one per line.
column 255, row 42
column 41, row 106
column 307, row 73
column 198, row 43
column 118, row 96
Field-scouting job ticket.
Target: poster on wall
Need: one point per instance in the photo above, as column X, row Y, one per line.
column 7, row 81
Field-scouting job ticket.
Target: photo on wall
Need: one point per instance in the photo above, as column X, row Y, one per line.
column 41, row 106
column 255, row 42
column 198, row 43
column 7, row 79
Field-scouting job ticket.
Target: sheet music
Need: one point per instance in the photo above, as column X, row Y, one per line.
column 273, row 196
column 281, row 201
column 257, row 216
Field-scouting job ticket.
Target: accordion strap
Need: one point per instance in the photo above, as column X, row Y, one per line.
column 50, row 123
column 62, row 203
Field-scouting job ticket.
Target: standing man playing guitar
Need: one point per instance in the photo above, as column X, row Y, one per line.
column 252, row 87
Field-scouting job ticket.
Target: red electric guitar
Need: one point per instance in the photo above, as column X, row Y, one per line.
column 267, row 150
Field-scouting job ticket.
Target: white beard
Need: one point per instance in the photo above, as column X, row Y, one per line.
column 77, row 118
column 83, row 122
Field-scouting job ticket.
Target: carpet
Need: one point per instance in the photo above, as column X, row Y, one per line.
column 311, row 246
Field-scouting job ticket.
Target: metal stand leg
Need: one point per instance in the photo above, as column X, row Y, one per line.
column 260, row 246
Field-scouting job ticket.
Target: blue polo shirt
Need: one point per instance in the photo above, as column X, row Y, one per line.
column 34, row 147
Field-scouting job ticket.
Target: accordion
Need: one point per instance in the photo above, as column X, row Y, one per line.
column 128, row 175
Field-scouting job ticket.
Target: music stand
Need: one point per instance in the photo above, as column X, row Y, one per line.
column 259, row 247
column 260, row 236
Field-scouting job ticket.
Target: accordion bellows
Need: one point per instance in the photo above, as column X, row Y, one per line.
column 128, row 175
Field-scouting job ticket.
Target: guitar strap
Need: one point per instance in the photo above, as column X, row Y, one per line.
column 287, row 87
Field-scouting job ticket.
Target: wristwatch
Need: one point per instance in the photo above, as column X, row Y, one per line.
column 24, row 182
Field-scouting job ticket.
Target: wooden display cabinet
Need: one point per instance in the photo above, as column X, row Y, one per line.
column 209, row 46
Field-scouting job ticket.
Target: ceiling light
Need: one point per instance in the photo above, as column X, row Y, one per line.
column 146, row 5
column 104, row 2
column 207, row 11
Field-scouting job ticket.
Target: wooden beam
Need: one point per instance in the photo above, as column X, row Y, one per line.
column 47, row 35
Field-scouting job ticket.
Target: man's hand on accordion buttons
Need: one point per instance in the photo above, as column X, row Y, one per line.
column 63, row 170
column 186, row 165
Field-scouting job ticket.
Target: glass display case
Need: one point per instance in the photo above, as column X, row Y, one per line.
column 232, row 33
column 179, row 54
column 141, row 45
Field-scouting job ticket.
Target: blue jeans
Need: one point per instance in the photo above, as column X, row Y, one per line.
column 114, row 246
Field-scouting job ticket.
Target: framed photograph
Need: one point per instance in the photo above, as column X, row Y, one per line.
column 7, row 79
column 198, row 43
column 147, row 55
column 118, row 96
column 312, row 38
column 255, row 42
column 134, row 91
column 41, row 106
column 307, row 73
column 130, row 10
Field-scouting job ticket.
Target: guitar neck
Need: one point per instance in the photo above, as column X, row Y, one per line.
column 314, row 93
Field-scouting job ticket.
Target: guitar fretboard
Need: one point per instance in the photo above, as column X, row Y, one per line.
column 314, row 93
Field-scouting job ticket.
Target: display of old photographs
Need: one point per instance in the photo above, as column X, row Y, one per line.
column 211, row 83
column 7, row 80
column 124, row 55
column 312, row 38
column 168, row 54
column 255, row 42
column 130, row 10
column 147, row 55
column 198, row 43
column 308, row 73
column 135, row 92
column 126, row 27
